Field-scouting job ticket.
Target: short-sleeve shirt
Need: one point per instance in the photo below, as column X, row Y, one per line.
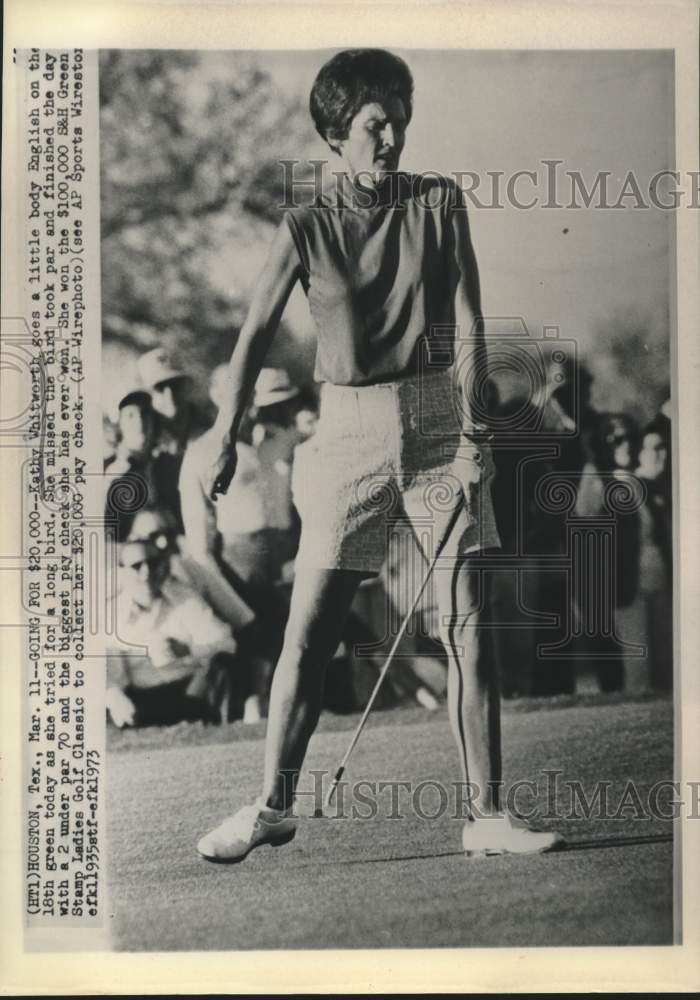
column 260, row 494
column 380, row 273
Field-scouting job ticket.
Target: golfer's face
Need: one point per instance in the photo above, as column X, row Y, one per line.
column 376, row 139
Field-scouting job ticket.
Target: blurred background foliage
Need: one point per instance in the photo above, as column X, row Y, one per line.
column 191, row 180
column 630, row 361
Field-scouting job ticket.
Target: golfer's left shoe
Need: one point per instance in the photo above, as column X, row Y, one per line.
column 499, row 835
column 250, row 827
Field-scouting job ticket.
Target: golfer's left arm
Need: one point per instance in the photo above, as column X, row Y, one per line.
column 470, row 342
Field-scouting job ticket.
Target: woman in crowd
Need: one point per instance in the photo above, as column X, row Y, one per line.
column 615, row 446
column 654, row 604
column 138, row 468
column 387, row 264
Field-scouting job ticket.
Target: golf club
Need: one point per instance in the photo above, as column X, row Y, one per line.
column 380, row 679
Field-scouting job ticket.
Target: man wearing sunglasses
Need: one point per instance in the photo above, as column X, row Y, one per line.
column 175, row 657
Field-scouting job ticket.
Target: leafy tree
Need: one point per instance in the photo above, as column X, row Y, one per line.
column 190, row 144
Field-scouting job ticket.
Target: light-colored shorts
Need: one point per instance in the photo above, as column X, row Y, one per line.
column 383, row 454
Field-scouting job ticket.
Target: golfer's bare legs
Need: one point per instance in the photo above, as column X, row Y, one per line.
column 320, row 604
column 472, row 682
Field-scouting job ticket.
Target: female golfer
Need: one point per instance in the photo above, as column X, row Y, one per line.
column 387, row 264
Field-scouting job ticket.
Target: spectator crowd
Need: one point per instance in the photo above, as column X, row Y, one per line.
column 202, row 590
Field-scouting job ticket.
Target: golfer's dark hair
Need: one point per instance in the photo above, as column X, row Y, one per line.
column 352, row 79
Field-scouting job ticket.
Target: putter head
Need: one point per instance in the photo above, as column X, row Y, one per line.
column 330, row 795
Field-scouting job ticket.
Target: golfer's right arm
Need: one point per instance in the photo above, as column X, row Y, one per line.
column 272, row 291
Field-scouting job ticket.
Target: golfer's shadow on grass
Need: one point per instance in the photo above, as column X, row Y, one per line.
column 595, row 843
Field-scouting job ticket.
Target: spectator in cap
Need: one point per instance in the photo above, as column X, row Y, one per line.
column 188, row 666
column 137, row 476
column 170, row 388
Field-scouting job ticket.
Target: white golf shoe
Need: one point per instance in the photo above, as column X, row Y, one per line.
column 498, row 835
column 250, row 827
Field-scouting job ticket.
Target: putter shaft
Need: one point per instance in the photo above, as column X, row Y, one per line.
column 383, row 672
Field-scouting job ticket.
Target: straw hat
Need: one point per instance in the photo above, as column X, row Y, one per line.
column 273, row 386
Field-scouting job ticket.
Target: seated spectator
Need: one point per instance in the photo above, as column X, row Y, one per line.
column 152, row 522
column 137, row 476
column 188, row 667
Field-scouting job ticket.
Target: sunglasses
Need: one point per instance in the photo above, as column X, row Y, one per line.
column 158, row 541
column 151, row 563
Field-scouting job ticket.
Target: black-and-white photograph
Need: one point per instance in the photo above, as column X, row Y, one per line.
column 388, row 415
